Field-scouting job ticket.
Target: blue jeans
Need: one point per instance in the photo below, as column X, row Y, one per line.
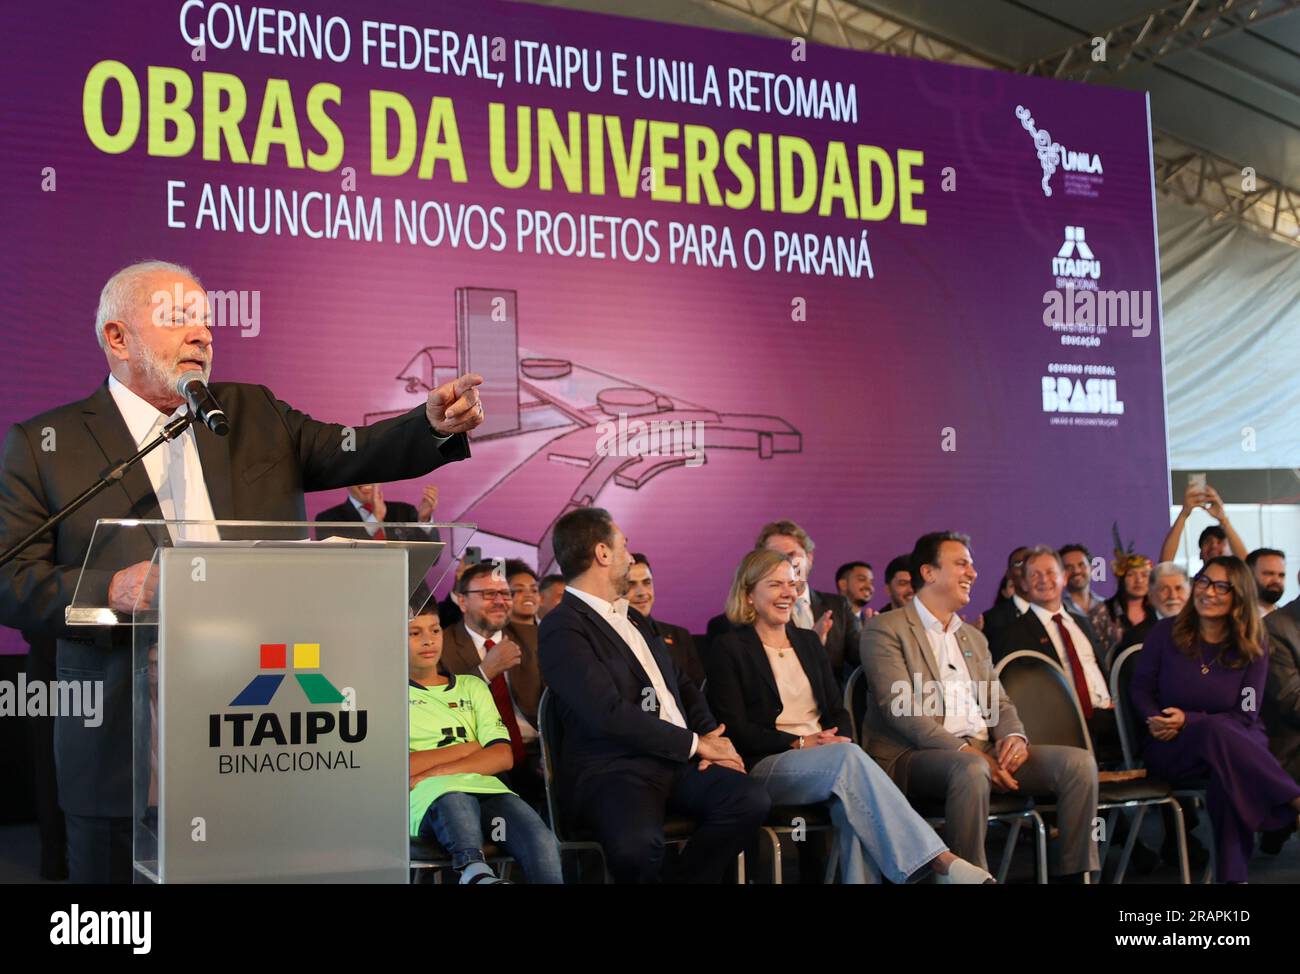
column 459, row 819
column 876, row 829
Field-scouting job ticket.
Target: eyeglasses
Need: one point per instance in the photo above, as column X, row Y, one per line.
column 490, row 594
column 1202, row 584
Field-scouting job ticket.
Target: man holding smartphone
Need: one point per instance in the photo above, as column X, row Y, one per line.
column 1216, row 537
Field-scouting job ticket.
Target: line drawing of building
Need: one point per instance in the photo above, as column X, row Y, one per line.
column 562, row 409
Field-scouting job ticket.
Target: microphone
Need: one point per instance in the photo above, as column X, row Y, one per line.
column 202, row 402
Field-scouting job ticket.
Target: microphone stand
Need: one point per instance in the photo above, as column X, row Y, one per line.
column 112, row 476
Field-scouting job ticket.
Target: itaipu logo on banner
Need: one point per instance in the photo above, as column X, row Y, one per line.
column 1078, row 308
column 253, row 739
column 1075, row 265
column 1082, row 170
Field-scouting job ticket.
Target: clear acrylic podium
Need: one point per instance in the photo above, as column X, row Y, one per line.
column 269, row 701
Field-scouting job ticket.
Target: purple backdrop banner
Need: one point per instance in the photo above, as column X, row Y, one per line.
column 712, row 279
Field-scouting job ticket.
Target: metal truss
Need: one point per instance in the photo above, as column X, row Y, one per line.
column 1225, row 188
column 1175, row 27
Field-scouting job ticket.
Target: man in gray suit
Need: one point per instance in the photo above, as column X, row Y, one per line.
column 939, row 722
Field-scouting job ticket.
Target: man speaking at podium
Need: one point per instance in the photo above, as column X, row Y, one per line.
column 271, row 456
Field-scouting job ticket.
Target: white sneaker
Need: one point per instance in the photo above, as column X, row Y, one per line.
column 963, row 873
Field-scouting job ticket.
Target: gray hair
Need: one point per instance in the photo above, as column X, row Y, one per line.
column 1168, row 568
column 1043, row 551
column 122, row 295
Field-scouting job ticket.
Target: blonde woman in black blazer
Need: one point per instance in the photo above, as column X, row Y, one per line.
column 771, row 684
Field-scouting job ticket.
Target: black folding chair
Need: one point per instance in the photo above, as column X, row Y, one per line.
column 1130, row 733
column 1050, row 711
column 1013, row 811
column 855, row 702
column 796, row 821
column 677, row 829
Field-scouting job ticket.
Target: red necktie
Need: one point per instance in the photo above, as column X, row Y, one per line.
column 501, row 696
column 379, row 531
column 1076, row 667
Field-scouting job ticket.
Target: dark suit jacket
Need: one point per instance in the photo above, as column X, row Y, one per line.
column 996, row 622
column 1027, row 632
column 841, row 642
column 260, row 471
column 397, row 513
column 681, row 645
column 744, row 695
column 846, row 630
column 459, row 656
column 611, row 722
column 1281, row 708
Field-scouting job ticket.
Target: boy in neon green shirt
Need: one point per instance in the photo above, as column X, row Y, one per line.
column 458, row 745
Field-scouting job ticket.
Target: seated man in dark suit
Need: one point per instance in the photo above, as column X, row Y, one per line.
column 639, row 739
column 856, row 581
column 525, row 593
column 367, row 506
column 641, row 596
column 898, row 583
column 549, row 592
column 486, row 644
column 1281, row 705
column 1068, row 640
column 994, row 622
column 940, row 723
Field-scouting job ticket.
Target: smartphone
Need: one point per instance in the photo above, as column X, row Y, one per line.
column 1196, row 480
column 473, row 555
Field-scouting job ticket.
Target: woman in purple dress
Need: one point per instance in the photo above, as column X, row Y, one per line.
column 1199, row 684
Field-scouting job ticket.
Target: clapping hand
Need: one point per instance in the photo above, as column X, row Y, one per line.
column 428, row 503
column 823, row 625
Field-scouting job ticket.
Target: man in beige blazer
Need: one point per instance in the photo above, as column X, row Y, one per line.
column 939, row 722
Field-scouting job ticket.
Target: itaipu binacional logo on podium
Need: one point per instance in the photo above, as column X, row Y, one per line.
column 310, row 735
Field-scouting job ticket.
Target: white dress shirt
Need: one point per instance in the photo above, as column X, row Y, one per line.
column 1021, row 605
column 615, row 613
column 1097, row 691
column 803, row 614
column 962, row 716
column 174, row 469
column 372, row 525
column 527, row 732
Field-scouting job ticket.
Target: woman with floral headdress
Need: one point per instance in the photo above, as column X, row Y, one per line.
column 1127, row 617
